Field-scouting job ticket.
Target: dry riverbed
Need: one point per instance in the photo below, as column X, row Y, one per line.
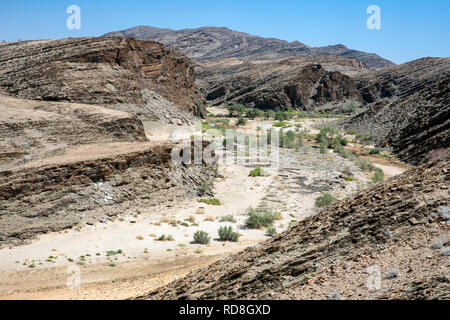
column 124, row 258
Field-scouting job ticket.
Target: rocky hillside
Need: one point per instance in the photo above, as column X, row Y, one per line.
column 92, row 184
column 388, row 242
column 33, row 130
column 73, row 149
column 292, row 83
column 212, row 43
column 105, row 71
column 403, row 80
column 410, row 110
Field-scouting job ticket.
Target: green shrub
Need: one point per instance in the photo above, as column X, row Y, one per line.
column 282, row 124
column 228, row 218
column 271, row 232
column 213, row 201
column 205, row 187
column 237, row 110
column 323, row 146
column 347, row 178
column 227, row 234
column 378, row 176
column 261, row 218
column 340, row 140
column 270, row 114
column 374, row 151
column 165, row 238
column 201, row 237
column 339, row 149
column 254, row 113
column 241, row 121
column 364, row 165
column 258, row 172
column 325, row 200
column 281, row 116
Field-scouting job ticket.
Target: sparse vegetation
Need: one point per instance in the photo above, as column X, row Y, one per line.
column 228, row 218
column 205, row 187
column 213, row 201
column 258, row 172
column 191, row 219
column 253, row 113
column 261, row 218
column 227, row 234
column 325, row 200
column 201, row 237
column 374, row 151
column 271, row 231
column 282, row 124
column 113, row 253
column 200, row 211
column 165, row 238
column 378, row 176
column 241, row 121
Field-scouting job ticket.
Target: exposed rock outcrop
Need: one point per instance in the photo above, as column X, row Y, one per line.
column 212, row 43
column 411, row 112
column 293, row 83
column 393, row 224
column 32, row 130
column 102, row 71
column 403, row 80
column 92, row 183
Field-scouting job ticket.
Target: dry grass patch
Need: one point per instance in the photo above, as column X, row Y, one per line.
column 200, row 211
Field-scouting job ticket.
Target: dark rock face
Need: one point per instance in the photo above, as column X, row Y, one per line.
column 103, row 71
column 413, row 126
column 293, row 83
column 397, row 215
column 403, row 80
column 408, row 108
column 211, row 43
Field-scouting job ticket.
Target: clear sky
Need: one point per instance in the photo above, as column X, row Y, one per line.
column 410, row 29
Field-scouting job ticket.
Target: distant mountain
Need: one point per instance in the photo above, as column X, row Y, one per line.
column 213, row 43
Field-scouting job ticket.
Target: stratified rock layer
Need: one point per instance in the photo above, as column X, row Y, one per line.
column 212, row 43
column 293, row 83
column 103, row 71
column 410, row 109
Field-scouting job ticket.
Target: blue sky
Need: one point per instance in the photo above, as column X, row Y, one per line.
column 410, row 29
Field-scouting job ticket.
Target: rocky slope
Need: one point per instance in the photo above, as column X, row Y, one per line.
column 411, row 112
column 73, row 149
column 403, row 80
column 212, row 43
column 388, row 242
column 92, row 184
column 33, row 130
column 113, row 72
column 292, row 83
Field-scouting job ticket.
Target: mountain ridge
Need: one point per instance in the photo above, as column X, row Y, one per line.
column 213, row 43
